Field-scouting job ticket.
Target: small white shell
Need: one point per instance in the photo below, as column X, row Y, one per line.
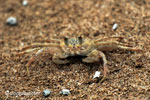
column 25, row 3
column 65, row 92
column 115, row 26
column 46, row 93
column 97, row 74
column 11, row 21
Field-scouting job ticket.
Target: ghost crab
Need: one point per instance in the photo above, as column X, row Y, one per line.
column 77, row 46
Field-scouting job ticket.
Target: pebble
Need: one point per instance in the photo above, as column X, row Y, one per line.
column 25, row 3
column 65, row 92
column 12, row 21
column 46, row 92
column 115, row 26
column 97, row 74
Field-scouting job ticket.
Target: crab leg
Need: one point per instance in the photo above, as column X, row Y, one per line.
column 32, row 59
column 110, row 38
column 110, row 46
column 127, row 48
column 95, row 56
column 34, row 47
column 50, row 50
column 37, row 45
column 112, row 43
column 92, row 57
column 57, row 58
column 52, row 40
column 27, row 51
column 104, row 65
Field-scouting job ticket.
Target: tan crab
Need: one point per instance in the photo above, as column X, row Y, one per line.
column 92, row 49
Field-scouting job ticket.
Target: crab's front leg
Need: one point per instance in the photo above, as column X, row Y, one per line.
column 101, row 54
column 95, row 56
column 59, row 58
column 92, row 57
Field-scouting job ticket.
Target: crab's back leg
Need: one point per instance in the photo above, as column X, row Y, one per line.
column 50, row 50
column 110, row 46
column 120, row 47
column 27, row 51
column 37, row 45
column 114, row 38
column 53, row 40
column 94, row 56
column 32, row 59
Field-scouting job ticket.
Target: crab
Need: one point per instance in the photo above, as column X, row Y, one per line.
column 91, row 49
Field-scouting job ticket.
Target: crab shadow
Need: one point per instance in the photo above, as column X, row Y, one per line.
column 77, row 60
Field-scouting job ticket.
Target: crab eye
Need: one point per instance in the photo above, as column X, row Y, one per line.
column 66, row 41
column 80, row 40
